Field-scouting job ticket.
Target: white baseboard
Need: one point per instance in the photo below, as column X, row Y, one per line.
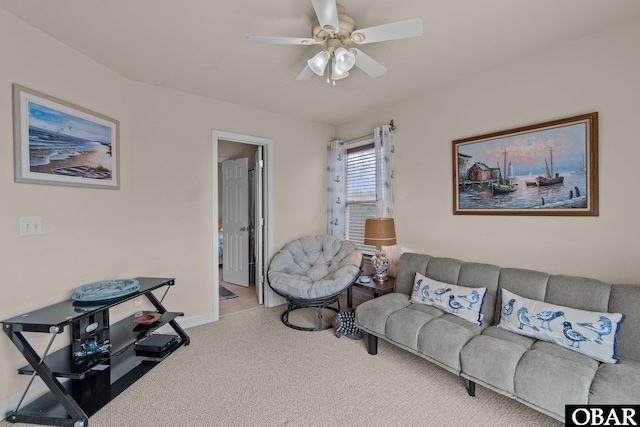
column 190, row 322
column 38, row 388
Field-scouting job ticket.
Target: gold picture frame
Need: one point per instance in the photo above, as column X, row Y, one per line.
column 546, row 169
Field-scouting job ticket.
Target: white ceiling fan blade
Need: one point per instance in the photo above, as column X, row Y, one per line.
column 393, row 31
column 368, row 64
column 281, row 40
column 305, row 74
column 327, row 13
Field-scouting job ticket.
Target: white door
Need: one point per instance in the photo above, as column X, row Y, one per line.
column 235, row 221
column 259, row 225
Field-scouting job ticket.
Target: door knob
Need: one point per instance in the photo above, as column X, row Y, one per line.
column 243, row 228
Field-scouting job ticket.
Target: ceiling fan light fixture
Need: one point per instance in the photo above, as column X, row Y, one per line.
column 344, row 59
column 319, row 62
column 336, row 73
column 336, row 31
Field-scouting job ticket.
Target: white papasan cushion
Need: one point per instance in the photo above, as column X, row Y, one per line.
column 314, row 267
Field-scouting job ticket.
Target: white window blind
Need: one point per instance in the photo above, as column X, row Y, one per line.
column 361, row 194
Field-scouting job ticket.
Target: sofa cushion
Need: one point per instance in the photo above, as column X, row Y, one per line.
column 565, row 353
column 372, row 315
column 403, row 327
column 594, row 334
column 460, row 301
column 408, row 264
column 494, row 331
column 432, row 310
column 477, row 275
column 624, row 299
column 616, row 384
column 577, row 292
column 528, row 283
column 552, row 381
column 456, row 333
column 492, row 361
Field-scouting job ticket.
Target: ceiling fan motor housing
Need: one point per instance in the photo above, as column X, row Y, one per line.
column 332, row 39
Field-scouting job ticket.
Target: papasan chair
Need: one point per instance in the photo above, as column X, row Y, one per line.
column 311, row 272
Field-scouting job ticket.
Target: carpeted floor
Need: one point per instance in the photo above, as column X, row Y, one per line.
column 248, row 369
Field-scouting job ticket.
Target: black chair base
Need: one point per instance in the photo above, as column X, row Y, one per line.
column 319, row 304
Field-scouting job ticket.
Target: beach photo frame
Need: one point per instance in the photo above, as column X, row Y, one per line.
column 545, row 169
column 59, row 143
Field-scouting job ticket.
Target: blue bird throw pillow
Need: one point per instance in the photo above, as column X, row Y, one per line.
column 460, row 301
column 590, row 333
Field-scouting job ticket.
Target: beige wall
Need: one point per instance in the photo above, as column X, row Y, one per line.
column 160, row 223
column 599, row 73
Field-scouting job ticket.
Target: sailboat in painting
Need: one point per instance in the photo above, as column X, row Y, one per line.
column 549, row 178
column 581, row 170
column 505, row 184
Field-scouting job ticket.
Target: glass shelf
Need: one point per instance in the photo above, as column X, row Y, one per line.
column 84, row 388
column 61, row 364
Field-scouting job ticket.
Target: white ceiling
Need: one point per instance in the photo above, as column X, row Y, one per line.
column 199, row 46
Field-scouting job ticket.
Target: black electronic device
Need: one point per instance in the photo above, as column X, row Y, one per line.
column 155, row 343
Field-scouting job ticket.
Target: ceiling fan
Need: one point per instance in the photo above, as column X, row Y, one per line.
column 336, row 32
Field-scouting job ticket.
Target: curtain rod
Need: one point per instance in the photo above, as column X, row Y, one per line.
column 370, row 135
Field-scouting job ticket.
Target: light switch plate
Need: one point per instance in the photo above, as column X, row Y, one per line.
column 30, row 225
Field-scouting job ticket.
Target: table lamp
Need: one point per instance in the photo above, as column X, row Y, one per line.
column 380, row 232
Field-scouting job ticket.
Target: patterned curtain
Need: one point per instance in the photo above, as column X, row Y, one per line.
column 336, row 188
column 383, row 140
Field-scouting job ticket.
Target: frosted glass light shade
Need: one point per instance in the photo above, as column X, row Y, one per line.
column 336, row 74
column 344, row 59
column 319, row 62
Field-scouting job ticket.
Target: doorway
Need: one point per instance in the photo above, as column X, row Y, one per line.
column 258, row 151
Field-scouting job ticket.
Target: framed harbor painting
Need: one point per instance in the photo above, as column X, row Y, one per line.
column 548, row 169
column 58, row 143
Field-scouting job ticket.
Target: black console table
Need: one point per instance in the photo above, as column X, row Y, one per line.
column 83, row 381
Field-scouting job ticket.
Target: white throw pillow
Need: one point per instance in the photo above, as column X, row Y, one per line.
column 460, row 301
column 591, row 333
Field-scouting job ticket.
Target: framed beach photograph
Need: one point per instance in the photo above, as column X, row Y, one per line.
column 58, row 143
column 544, row 169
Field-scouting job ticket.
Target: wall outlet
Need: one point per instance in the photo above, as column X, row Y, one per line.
column 30, row 225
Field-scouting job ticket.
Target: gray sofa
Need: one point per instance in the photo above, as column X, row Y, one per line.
column 540, row 374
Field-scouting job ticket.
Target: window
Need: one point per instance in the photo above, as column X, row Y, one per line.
column 361, row 193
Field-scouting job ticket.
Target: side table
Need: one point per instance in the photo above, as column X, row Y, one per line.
column 378, row 288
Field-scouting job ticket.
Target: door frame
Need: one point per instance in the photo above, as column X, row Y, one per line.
column 267, row 187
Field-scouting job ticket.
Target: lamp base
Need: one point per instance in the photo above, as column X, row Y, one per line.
column 380, row 264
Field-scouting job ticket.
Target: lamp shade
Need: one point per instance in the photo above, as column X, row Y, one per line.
column 379, row 232
column 319, row 62
column 344, row 59
column 336, row 74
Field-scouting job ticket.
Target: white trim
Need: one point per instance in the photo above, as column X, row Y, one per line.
column 361, row 142
column 267, row 143
column 188, row 322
